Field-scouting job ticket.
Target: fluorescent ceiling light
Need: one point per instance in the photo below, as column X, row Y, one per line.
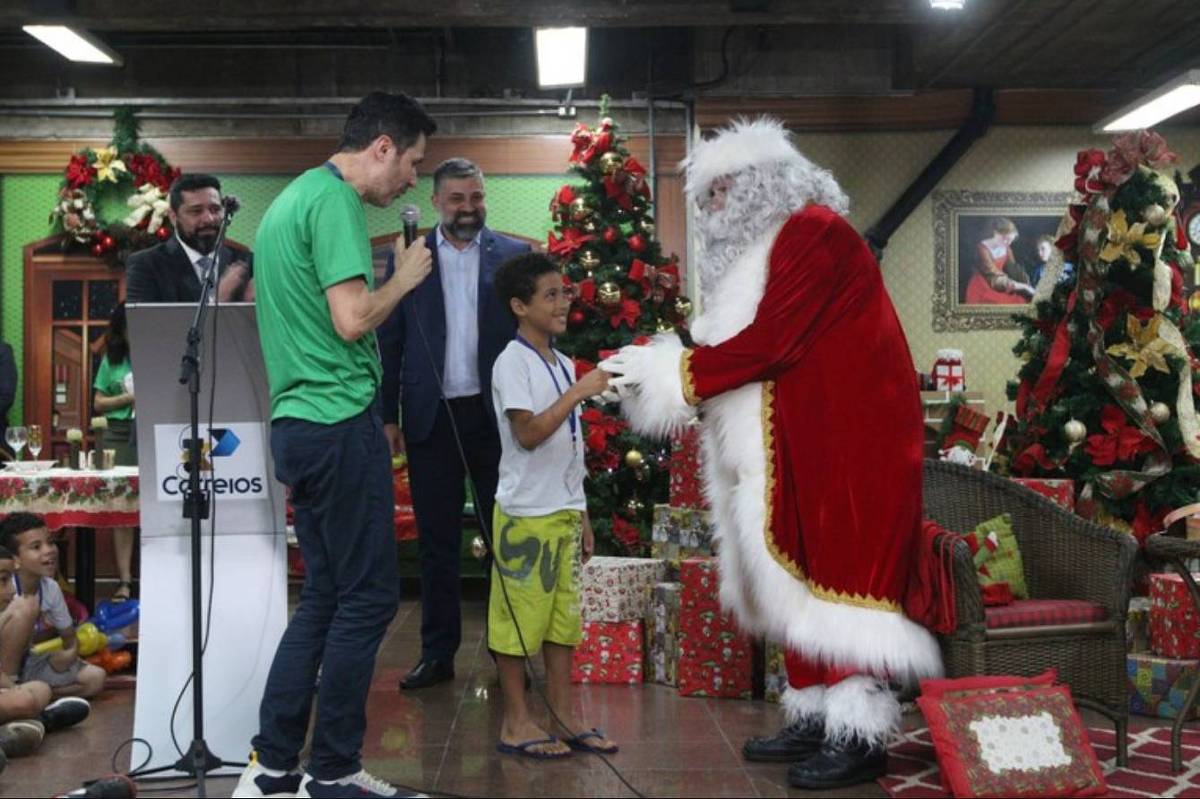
column 1166, row 101
column 77, row 45
column 947, row 5
column 561, row 57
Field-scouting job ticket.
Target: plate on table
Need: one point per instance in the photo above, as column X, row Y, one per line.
column 25, row 467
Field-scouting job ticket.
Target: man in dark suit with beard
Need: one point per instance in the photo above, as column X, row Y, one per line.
column 171, row 271
column 442, row 339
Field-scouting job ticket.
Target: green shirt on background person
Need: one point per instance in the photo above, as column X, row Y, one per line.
column 110, row 381
column 313, row 236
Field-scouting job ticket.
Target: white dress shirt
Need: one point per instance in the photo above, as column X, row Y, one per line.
column 460, row 293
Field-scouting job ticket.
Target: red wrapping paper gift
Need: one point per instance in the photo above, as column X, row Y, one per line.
column 715, row 659
column 1174, row 623
column 1061, row 491
column 610, row 652
column 686, row 487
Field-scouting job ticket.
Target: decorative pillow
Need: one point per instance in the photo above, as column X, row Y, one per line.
column 1023, row 742
column 1001, row 561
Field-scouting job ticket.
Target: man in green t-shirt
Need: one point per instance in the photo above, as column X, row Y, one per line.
column 318, row 308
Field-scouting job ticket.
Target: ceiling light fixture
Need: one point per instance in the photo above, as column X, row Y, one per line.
column 76, row 45
column 1166, row 101
column 561, row 57
column 947, row 5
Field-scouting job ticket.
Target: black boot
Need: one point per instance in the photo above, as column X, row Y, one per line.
column 839, row 767
column 792, row 743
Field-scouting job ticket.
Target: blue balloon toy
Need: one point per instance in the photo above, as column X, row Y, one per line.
column 111, row 616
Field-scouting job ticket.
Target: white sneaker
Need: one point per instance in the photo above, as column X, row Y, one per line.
column 360, row 784
column 258, row 781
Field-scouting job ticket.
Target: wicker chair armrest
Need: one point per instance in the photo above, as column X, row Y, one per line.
column 967, row 596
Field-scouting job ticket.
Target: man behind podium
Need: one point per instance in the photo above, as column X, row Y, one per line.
column 172, row 271
column 318, row 308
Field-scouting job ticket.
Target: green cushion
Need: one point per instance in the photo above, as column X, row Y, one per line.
column 1005, row 564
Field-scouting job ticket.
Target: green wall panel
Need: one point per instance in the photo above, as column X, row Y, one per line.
column 516, row 204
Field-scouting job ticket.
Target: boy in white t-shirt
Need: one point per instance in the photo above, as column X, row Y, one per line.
column 540, row 529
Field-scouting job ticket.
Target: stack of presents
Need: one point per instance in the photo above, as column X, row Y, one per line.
column 658, row 619
column 1163, row 633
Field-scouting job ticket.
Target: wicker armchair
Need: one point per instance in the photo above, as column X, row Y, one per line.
column 1066, row 557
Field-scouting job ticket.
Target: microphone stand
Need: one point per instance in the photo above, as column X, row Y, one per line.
column 198, row 760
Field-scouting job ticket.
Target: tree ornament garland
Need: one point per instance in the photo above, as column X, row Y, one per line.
column 113, row 200
column 627, row 295
column 1107, row 392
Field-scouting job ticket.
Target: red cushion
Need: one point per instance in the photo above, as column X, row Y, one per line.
column 936, row 689
column 1044, row 612
column 1012, row 743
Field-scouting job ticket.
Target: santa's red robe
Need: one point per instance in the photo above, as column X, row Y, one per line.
column 812, row 436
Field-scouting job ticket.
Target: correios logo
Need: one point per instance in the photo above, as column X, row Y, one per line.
column 231, row 461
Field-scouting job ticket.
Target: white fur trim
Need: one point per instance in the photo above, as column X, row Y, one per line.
column 804, row 703
column 860, row 709
column 654, row 404
column 743, row 144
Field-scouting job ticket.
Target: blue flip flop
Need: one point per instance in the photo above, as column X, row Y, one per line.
column 578, row 742
column 523, row 749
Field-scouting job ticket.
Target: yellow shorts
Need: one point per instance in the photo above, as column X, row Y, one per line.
column 539, row 560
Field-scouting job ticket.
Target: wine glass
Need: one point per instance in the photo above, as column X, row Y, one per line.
column 16, row 438
column 35, row 440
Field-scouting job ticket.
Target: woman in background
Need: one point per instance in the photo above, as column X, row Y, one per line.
column 114, row 399
column 998, row 279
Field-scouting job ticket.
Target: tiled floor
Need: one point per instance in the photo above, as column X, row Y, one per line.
column 443, row 739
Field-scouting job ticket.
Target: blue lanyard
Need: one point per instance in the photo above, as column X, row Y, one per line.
column 566, row 376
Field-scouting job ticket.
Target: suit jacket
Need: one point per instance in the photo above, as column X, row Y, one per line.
column 407, row 369
column 8, row 387
column 163, row 273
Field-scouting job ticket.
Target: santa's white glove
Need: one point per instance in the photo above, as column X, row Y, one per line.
column 648, row 383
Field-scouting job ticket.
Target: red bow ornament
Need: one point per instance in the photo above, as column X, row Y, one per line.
column 572, row 239
column 1120, row 441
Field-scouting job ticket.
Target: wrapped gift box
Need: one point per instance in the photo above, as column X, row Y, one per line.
column 715, row 659
column 1158, row 686
column 1137, row 625
column 775, row 680
column 610, row 652
column 617, row 589
column 679, row 533
column 1061, row 491
column 1174, row 624
column 686, row 488
column 662, row 634
column 948, row 371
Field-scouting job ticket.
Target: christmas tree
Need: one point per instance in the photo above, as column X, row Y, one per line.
column 624, row 289
column 1106, row 394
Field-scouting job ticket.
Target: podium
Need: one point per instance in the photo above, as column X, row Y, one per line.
column 244, row 572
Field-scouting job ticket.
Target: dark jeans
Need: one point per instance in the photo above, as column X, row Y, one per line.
column 436, row 475
column 341, row 481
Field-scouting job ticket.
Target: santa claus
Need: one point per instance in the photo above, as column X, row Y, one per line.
column 807, row 400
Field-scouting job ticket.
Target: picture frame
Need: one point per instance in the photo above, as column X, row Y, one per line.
column 982, row 275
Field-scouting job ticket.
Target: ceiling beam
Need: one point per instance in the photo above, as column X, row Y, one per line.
column 148, row 15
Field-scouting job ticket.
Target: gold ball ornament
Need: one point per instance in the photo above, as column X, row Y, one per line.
column 1160, row 412
column 610, row 162
column 1194, row 301
column 588, row 258
column 683, row 307
column 1075, row 431
column 634, row 459
column 608, row 293
column 663, row 326
column 580, row 209
column 479, row 547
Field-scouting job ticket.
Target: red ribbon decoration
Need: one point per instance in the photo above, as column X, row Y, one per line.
column 571, row 241
column 1121, row 441
column 599, row 427
column 581, row 138
column 628, row 311
column 587, row 291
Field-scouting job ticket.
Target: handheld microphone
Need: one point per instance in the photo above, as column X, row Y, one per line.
column 409, row 216
column 115, row 786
